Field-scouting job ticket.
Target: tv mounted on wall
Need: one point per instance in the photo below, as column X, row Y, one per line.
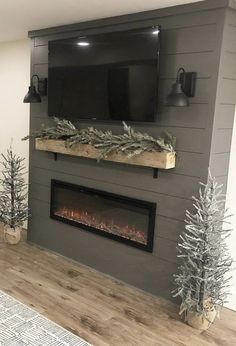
column 109, row 76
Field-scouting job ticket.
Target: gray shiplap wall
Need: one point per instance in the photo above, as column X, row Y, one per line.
column 191, row 37
column 225, row 101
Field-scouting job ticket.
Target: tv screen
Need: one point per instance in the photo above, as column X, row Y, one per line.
column 111, row 76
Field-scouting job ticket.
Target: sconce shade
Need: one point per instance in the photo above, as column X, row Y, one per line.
column 32, row 96
column 177, row 97
column 182, row 89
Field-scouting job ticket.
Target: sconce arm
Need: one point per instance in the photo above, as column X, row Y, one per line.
column 180, row 70
column 32, row 79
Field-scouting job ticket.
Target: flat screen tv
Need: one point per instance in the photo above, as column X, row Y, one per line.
column 109, row 76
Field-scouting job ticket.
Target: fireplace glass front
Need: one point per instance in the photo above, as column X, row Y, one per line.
column 127, row 220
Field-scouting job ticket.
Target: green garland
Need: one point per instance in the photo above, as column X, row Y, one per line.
column 63, row 129
column 131, row 142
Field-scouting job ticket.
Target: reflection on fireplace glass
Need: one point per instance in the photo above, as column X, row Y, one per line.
column 111, row 215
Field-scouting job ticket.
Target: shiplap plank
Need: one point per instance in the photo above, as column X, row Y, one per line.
column 191, row 164
column 230, row 16
column 39, row 208
column 40, row 55
column 230, row 42
column 221, row 141
column 170, row 184
column 227, row 91
column 187, row 163
column 185, row 40
column 194, row 116
column 41, row 70
column 224, row 116
column 229, row 65
column 39, row 109
column 167, row 250
column 183, row 137
column 219, row 164
column 196, row 62
column 169, row 228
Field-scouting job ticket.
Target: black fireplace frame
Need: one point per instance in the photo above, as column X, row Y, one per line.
column 150, row 206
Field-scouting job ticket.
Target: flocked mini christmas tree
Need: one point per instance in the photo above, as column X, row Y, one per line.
column 13, row 191
column 203, row 277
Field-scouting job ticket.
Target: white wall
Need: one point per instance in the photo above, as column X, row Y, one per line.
column 231, row 204
column 14, row 82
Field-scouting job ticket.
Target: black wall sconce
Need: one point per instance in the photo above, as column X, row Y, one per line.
column 182, row 89
column 34, row 95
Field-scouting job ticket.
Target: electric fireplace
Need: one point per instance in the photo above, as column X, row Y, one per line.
column 130, row 221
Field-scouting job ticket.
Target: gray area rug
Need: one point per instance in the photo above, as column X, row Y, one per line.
column 20, row 326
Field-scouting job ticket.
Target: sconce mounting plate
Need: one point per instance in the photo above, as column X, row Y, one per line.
column 42, row 86
column 188, row 82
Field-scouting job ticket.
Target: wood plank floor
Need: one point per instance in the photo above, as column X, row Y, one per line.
column 96, row 307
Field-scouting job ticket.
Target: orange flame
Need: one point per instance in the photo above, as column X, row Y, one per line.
column 110, row 226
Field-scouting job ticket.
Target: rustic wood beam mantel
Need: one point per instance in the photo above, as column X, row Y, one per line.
column 163, row 160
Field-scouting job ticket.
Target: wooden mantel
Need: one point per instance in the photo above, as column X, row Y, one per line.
column 163, row 160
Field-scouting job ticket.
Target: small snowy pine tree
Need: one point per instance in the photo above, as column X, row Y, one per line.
column 13, row 192
column 205, row 257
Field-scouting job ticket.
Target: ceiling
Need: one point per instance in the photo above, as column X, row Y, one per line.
column 17, row 17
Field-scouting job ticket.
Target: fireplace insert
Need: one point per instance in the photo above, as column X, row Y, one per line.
column 130, row 221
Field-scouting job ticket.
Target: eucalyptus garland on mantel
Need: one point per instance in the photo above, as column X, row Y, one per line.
column 130, row 143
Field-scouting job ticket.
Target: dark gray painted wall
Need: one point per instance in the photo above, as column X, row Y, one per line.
column 192, row 38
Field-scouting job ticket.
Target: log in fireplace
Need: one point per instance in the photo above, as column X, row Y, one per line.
column 130, row 221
